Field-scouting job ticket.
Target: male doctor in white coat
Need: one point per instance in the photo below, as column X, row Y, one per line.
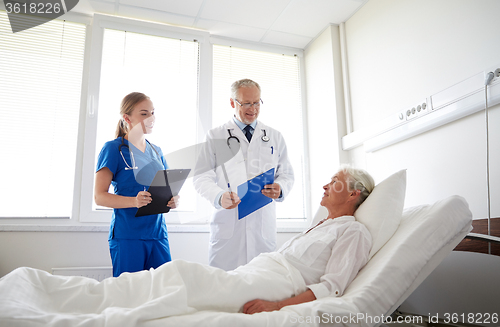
column 234, row 153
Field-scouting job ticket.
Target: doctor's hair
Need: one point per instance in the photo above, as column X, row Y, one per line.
column 358, row 179
column 127, row 106
column 242, row 83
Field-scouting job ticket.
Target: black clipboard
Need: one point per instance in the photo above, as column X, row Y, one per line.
column 165, row 185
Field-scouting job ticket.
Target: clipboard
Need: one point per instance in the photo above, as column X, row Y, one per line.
column 253, row 199
column 165, row 185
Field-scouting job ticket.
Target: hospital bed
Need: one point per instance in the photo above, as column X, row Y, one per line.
column 407, row 245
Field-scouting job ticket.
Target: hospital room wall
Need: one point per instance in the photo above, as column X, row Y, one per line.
column 399, row 53
column 47, row 250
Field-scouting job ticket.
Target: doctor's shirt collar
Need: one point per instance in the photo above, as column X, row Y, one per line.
column 243, row 125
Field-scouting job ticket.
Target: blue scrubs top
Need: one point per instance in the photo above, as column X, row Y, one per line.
column 124, row 224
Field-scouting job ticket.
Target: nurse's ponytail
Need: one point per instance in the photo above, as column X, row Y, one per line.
column 127, row 106
column 121, row 128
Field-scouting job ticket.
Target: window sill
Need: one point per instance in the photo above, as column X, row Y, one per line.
column 92, row 228
column 172, row 228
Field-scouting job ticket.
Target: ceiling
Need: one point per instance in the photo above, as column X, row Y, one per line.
column 291, row 23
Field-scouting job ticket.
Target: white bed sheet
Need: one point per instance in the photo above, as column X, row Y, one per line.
column 425, row 235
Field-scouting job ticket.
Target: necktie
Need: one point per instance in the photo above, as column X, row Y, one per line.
column 248, row 132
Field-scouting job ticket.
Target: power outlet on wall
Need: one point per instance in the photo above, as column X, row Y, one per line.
column 415, row 111
column 496, row 75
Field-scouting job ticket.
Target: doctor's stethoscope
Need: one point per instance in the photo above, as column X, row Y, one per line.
column 264, row 137
column 132, row 159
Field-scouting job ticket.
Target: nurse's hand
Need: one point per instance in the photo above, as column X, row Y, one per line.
column 143, row 198
column 272, row 191
column 229, row 200
column 174, row 202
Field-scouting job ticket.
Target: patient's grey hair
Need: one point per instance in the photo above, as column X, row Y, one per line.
column 358, row 179
column 242, row 83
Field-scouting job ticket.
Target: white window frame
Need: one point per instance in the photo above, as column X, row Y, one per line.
column 101, row 22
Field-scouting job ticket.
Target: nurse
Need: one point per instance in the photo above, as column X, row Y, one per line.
column 239, row 150
column 129, row 163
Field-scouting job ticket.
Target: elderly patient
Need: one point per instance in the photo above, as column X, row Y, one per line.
column 330, row 254
column 319, row 262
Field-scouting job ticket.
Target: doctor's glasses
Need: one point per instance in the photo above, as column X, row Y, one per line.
column 250, row 105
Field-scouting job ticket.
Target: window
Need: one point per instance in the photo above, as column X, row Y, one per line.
column 40, row 89
column 155, row 60
column 279, row 78
column 45, row 70
column 166, row 70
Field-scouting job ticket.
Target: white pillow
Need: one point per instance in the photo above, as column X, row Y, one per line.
column 381, row 212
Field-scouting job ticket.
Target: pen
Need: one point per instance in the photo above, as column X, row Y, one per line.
column 272, row 150
column 227, row 180
column 230, row 191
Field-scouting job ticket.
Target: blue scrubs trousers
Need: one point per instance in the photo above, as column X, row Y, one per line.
column 136, row 255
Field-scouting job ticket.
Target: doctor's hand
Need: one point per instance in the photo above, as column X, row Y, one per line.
column 174, row 202
column 229, row 200
column 257, row 306
column 272, row 191
column 143, row 198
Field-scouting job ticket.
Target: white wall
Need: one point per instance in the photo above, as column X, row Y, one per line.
column 47, row 250
column 399, row 53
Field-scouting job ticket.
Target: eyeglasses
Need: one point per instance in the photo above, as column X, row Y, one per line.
column 249, row 105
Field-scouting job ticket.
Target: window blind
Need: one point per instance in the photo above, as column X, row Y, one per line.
column 279, row 78
column 40, row 90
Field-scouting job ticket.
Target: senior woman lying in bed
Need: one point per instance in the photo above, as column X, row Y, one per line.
column 330, row 254
column 319, row 262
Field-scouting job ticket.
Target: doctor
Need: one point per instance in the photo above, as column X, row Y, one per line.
column 235, row 152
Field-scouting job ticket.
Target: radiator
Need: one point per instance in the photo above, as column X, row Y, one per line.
column 98, row 273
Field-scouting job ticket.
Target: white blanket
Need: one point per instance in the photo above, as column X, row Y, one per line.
column 31, row 297
column 380, row 285
column 160, row 298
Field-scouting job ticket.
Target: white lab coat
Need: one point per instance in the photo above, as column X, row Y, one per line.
column 235, row 242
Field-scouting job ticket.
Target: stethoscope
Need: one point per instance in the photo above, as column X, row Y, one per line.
column 132, row 159
column 264, row 137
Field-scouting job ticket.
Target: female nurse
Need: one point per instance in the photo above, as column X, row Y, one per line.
column 129, row 163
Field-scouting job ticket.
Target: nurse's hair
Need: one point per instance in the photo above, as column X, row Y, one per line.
column 358, row 179
column 242, row 83
column 127, row 106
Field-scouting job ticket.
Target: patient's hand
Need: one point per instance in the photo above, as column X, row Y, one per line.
column 261, row 305
column 257, row 306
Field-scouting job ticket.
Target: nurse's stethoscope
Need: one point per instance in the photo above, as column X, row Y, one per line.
column 264, row 137
column 132, row 159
